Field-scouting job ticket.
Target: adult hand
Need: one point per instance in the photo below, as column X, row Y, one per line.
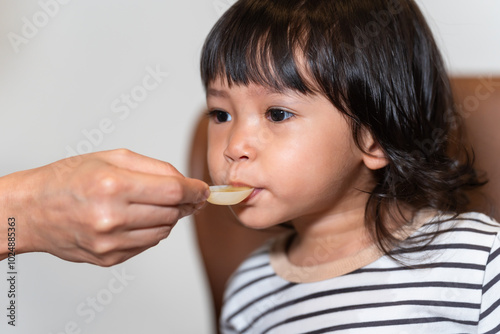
column 100, row 208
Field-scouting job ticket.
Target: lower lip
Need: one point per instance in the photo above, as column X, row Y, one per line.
column 254, row 193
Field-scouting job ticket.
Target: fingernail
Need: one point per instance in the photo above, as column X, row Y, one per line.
column 207, row 194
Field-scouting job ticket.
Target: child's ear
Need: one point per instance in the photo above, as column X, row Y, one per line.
column 374, row 156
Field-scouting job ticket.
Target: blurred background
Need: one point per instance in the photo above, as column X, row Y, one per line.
column 70, row 70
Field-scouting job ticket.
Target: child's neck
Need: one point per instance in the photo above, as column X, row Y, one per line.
column 335, row 236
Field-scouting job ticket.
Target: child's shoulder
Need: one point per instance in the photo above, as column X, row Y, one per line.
column 474, row 218
column 472, row 235
column 469, row 223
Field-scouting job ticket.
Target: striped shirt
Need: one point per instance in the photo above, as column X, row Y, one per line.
column 450, row 286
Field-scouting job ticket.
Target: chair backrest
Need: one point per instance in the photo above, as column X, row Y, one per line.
column 224, row 243
column 478, row 102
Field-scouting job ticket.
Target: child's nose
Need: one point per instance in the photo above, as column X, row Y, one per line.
column 240, row 145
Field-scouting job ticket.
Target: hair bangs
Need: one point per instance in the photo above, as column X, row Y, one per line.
column 256, row 44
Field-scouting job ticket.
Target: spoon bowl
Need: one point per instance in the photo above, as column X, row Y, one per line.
column 228, row 195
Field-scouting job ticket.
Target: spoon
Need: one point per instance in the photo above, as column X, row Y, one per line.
column 228, row 195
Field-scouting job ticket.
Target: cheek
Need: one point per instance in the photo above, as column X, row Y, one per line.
column 290, row 167
column 299, row 157
column 312, row 164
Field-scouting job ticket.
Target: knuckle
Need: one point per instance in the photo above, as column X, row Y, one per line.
column 169, row 169
column 113, row 258
column 98, row 181
column 103, row 247
column 106, row 262
column 103, row 218
column 101, row 251
column 107, row 184
column 123, row 152
column 105, row 222
column 172, row 215
column 123, row 155
column 163, row 233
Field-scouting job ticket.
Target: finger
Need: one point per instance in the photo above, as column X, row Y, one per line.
column 129, row 240
column 162, row 190
column 124, row 158
column 142, row 216
column 116, row 248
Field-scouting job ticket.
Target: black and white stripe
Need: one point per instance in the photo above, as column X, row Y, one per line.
column 452, row 286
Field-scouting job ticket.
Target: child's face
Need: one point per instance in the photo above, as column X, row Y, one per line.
column 297, row 151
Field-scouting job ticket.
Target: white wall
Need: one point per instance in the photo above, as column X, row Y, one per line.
column 468, row 33
column 62, row 81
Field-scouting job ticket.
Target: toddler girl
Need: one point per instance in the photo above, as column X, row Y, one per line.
column 339, row 114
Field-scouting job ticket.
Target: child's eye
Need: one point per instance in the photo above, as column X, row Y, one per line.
column 220, row 116
column 278, row 115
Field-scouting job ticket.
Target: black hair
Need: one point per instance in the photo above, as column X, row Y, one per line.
column 377, row 62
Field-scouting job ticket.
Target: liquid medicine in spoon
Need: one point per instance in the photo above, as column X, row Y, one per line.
column 228, row 195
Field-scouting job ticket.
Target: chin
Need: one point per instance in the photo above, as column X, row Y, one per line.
column 254, row 220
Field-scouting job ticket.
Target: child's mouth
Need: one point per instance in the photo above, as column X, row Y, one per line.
column 254, row 193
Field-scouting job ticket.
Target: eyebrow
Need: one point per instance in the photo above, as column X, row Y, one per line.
column 224, row 94
column 217, row 93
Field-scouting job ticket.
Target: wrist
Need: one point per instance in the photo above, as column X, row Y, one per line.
column 14, row 207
